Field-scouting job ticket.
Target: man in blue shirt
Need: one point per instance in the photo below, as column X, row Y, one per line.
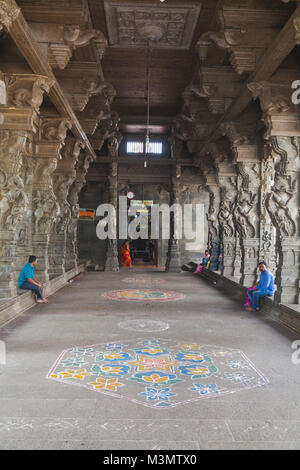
column 265, row 287
column 27, row 280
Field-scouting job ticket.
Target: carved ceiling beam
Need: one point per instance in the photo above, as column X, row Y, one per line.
column 13, row 20
column 58, row 42
column 245, row 34
column 56, row 11
column 268, row 64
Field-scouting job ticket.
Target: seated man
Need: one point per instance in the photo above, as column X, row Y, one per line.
column 265, row 287
column 27, row 280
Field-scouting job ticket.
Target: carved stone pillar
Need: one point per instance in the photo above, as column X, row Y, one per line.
column 81, row 168
column 267, row 230
column 244, row 145
column 24, row 95
column 246, row 216
column 13, row 201
column 282, row 119
column 211, row 185
column 63, row 177
column 283, row 206
column 45, row 207
column 173, row 263
column 213, row 226
column 227, row 180
column 112, row 261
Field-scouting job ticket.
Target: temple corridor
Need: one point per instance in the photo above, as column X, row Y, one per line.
column 255, row 404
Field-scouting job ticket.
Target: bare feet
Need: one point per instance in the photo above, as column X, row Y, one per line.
column 39, row 301
column 46, row 301
column 249, row 309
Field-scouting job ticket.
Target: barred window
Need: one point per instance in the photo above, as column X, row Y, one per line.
column 154, row 148
column 135, row 147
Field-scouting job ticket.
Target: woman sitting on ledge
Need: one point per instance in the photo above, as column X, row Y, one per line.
column 125, row 255
column 205, row 262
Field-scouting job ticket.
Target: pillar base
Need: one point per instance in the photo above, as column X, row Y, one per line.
column 173, row 264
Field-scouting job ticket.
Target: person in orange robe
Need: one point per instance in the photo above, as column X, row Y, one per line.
column 125, row 255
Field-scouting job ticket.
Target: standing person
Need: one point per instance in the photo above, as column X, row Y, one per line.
column 125, row 255
column 265, row 287
column 205, row 262
column 28, row 281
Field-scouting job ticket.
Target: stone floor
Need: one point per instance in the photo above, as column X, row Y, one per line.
column 36, row 413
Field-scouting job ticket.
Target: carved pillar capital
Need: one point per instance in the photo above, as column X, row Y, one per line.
column 25, row 90
column 8, row 14
column 280, row 115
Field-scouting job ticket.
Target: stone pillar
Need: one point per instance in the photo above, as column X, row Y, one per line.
column 112, row 259
column 213, row 189
column 227, row 180
column 173, row 263
column 45, row 207
column 244, row 145
column 81, row 169
column 283, row 206
column 267, row 230
column 63, row 177
column 18, row 124
column 13, row 201
column 246, row 215
column 282, row 120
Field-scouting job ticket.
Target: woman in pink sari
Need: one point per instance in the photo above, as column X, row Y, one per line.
column 205, row 262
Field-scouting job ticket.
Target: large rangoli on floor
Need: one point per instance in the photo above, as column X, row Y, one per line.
column 157, row 373
column 143, row 295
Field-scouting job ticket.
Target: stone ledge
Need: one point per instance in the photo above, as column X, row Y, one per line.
column 286, row 314
column 14, row 307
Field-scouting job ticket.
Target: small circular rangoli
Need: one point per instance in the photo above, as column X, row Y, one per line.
column 144, row 325
column 144, row 295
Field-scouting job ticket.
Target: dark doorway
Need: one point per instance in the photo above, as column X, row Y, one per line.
column 144, row 252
